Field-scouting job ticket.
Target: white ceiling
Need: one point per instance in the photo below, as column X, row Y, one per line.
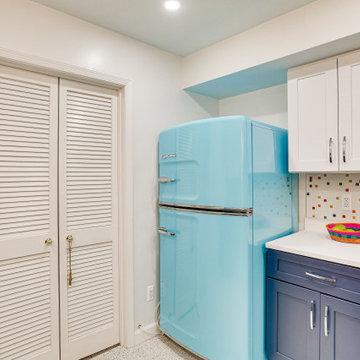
column 198, row 23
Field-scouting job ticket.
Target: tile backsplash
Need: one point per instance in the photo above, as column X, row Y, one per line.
column 324, row 197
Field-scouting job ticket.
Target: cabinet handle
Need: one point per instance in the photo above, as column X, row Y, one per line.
column 166, row 156
column 344, row 149
column 326, row 321
column 330, row 150
column 163, row 180
column 312, row 313
column 164, row 231
column 320, row 277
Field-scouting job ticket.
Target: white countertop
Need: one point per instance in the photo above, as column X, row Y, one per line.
column 318, row 245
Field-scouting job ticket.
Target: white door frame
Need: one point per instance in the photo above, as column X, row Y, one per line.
column 125, row 175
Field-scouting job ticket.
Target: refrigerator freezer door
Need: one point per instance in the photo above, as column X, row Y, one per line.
column 209, row 162
column 205, row 282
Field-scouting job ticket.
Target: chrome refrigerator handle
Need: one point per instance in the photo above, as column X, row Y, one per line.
column 163, row 180
column 164, row 231
column 167, row 156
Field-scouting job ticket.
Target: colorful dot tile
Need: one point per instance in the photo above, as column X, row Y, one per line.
column 324, row 194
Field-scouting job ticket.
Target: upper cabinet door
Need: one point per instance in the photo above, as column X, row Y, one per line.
column 349, row 111
column 313, row 117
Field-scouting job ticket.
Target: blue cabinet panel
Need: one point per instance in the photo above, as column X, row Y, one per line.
column 336, row 321
column 293, row 322
column 298, row 269
column 340, row 329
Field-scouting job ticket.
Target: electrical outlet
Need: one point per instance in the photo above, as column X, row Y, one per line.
column 150, row 293
column 346, row 202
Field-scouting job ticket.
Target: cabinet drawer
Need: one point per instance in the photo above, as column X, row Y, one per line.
column 326, row 277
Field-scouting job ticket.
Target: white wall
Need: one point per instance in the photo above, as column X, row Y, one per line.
column 265, row 105
column 315, row 24
column 158, row 103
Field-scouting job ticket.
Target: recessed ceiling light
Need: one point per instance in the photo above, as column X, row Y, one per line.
column 172, row 5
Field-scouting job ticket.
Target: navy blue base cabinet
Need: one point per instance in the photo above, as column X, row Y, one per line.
column 313, row 309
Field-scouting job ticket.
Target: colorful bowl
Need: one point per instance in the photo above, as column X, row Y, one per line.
column 344, row 236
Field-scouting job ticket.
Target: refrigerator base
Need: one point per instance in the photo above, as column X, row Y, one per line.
column 182, row 345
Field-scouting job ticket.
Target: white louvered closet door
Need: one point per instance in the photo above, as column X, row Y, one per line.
column 89, row 307
column 29, row 316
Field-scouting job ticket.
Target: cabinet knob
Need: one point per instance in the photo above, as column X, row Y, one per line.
column 48, row 242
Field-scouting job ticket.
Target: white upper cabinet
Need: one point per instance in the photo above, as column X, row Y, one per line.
column 324, row 115
column 313, row 117
column 349, row 111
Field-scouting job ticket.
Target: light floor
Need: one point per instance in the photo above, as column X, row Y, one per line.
column 158, row 348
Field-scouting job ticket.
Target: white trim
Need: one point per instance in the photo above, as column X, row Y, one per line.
column 124, row 87
column 59, row 69
column 144, row 333
column 126, row 218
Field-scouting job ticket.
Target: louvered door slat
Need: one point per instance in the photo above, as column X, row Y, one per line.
column 28, row 215
column 88, row 211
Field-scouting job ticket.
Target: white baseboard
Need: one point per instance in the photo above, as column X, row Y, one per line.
column 141, row 336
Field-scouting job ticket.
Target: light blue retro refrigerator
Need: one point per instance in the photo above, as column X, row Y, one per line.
column 225, row 190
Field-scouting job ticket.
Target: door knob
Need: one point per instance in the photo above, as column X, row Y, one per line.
column 69, row 238
column 48, row 242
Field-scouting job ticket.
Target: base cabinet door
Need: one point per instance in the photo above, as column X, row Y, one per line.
column 293, row 322
column 340, row 329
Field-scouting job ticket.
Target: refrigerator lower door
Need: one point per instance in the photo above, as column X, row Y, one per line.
column 205, row 299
